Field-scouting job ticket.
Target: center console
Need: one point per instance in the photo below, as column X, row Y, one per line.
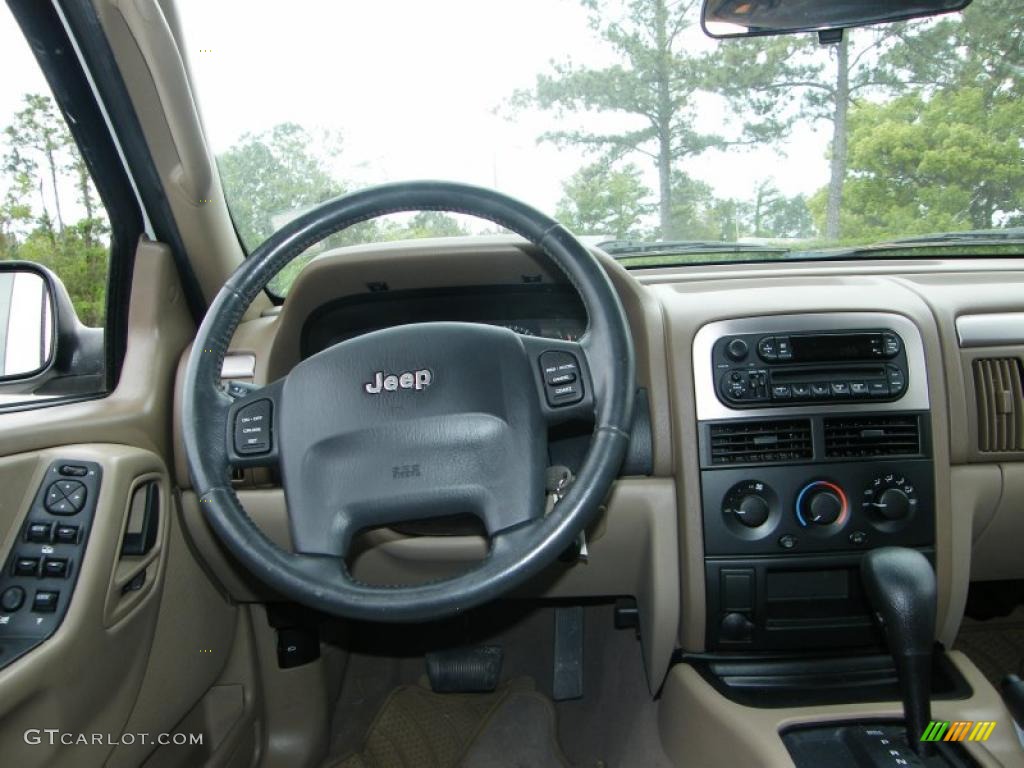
column 814, row 448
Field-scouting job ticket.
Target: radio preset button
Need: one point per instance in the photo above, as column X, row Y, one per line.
column 897, row 381
column 859, row 389
column 802, row 390
column 781, row 392
column 878, row 388
column 821, row 389
column 840, row 389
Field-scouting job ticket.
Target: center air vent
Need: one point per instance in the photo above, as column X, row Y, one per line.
column 858, row 437
column 758, row 442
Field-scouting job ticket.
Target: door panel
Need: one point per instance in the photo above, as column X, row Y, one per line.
column 133, row 654
column 86, row 676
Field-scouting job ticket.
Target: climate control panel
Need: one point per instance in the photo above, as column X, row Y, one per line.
column 813, row 508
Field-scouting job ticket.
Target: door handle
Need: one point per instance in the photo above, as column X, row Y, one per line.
column 144, row 522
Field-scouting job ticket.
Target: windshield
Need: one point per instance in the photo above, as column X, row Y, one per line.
column 622, row 120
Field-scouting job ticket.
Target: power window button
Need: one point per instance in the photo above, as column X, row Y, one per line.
column 39, row 532
column 55, row 567
column 26, row 566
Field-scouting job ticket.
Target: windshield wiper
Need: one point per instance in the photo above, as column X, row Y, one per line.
column 626, row 249
column 975, row 237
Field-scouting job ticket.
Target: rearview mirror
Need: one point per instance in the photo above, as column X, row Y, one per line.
column 750, row 18
column 26, row 322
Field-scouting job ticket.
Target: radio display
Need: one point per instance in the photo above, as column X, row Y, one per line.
column 835, row 347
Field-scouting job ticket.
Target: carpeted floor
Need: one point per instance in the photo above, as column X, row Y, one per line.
column 513, row 726
column 613, row 725
column 996, row 646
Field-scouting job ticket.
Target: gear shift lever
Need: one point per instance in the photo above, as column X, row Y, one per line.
column 900, row 584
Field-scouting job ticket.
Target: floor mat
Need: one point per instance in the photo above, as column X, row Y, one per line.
column 996, row 646
column 514, row 726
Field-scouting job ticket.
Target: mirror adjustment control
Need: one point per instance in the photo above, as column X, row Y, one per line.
column 252, row 428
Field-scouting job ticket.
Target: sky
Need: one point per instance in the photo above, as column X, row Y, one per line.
column 420, row 90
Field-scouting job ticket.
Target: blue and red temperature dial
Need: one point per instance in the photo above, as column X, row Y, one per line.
column 821, row 503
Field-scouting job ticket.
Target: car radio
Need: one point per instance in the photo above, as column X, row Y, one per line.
column 757, row 369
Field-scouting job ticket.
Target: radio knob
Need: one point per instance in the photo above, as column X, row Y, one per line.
column 821, row 503
column 893, row 504
column 737, row 349
column 752, row 511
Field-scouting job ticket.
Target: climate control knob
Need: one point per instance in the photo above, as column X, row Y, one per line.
column 821, row 503
column 748, row 505
column 890, row 500
column 752, row 511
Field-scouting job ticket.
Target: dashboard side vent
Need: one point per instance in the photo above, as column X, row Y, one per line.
column 998, row 388
column 759, row 442
column 860, row 437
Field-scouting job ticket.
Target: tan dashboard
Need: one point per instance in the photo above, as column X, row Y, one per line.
column 650, row 540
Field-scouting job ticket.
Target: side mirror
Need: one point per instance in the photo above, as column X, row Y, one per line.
column 45, row 351
column 27, row 321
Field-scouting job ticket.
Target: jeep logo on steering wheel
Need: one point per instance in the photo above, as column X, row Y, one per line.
column 392, row 382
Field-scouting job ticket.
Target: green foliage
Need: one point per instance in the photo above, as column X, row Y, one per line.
column 40, row 162
column 599, row 200
column 272, row 174
column 921, row 165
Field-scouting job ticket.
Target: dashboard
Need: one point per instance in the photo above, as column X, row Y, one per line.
column 797, row 415
column 546, row 310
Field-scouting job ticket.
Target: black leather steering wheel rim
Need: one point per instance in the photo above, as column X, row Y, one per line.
column 519, row 553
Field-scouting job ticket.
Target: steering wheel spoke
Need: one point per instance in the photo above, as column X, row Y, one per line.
column 252, row 424
column 561, row 370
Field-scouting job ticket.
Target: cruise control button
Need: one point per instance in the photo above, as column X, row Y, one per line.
column 12, row 599
column 561, row 372
column 252, row 428
column 39, row 532
column 45, row 601
column 26, row 566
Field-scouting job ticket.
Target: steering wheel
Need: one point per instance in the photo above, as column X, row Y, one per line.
column 411, row 422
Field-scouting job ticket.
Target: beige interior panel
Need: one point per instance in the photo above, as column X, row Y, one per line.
column 700, row 728
column 86, row 677
column 137, row 412
column 632, row 553
column 190, row 648
column 997, row 545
